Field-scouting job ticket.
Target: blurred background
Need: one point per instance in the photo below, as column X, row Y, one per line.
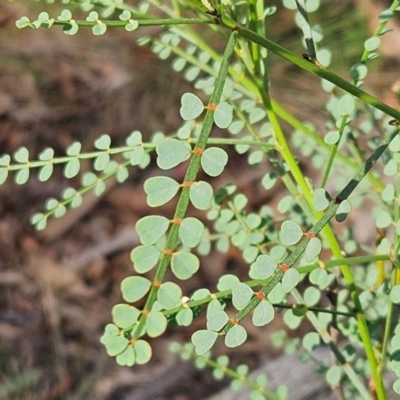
column 57, row 287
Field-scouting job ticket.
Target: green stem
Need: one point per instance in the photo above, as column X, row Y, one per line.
column 318, row 70
column 191, row 173
column 142, row 22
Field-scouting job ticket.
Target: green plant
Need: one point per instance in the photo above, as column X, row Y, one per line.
column 294, row 243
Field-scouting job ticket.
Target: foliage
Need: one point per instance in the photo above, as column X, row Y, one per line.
column 296, row 242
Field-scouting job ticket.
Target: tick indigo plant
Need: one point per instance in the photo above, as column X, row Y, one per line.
column 296, row 242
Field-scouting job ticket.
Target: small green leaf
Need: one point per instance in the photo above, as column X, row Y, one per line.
column 122, row 174
column 290, row 279
column 240, row 201
column 103, row 142
column 214, row 160
column 263, row 313
column 383, row 220
column 227, row 282
column 125, row 15
column 134, row 139
column 257, row 115
column 395, row 294
column 99, row 29
column 334, row 374
column 144, row 258
column 151, row 228
column 311, row 341
column 72, row 168
column 321, row 199
column 256, row 157
column 276, row 295
column 143, row 352
column 201, row 194
column 137, row 156
column 116, row 345
column 172, row 152
column 396, row 386
column 45, row 172
column 319, row 277
column 285, row 204
column 124, row 315
column 92, row 17
column 23, row 22
column 388, row 193
column 169, row 295
column 241, row 295
column 191, row 232
column 372, row 43
column 216, row 319
column 126, row 358
column 223, row 115
column 291, row 320
column 263, row 268
column 5, row 160
column 99, row 188
column 21, row 176
column 39, row 220
column 313, row 249
column 21, row 155
column 191, row 107
column 312, row 296
column 65, row 16
column 184, row 264
column 134, row 288
column 47, row 154
column 358, row 71
column 236, row 336
column 290, row 233
column 269, row 180
column 132, row 25
column 184, row 317
column 346, row 105
column 3, row 175
column 203, row 340
column 101, row 162
column 71, row 29
column 74, row 149
column 343, row 210
column 156, row 323
column 160, row 190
